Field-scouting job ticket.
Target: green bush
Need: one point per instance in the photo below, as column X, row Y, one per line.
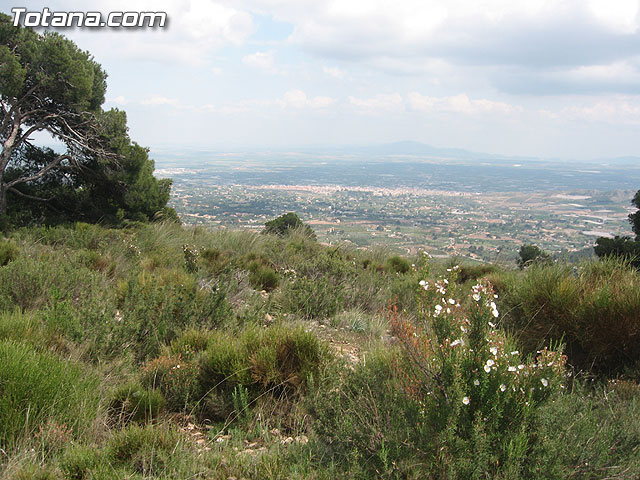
column 364, row 419
column 176, row 378
column 8, row 252
column 263, row 278
column 594, row 309
column 156, row 309
column 277, row 360
column 459, row 399
column 190, row 343
column 29, row 283
column 79, row 461
column 133, row 403
column 397, row 264
column 147, row 450
column 315, row 298
column 38, row 387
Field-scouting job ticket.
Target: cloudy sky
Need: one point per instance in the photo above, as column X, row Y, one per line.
column 542, row 78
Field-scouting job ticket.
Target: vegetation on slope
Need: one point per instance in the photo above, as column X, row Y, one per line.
column 158, row 351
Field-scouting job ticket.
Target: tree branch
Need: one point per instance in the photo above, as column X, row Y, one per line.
column 41, row 173
column 30, row 197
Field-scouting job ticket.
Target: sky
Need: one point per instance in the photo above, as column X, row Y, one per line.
column 552, row 79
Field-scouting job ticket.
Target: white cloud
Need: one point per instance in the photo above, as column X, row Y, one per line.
column 262, row 60
column 194, row 29
column 459, row 104
column 334, row 72
column 382, row 103
column 299, row 99
column 160, row 100
column 119, row 100
column 617, row 110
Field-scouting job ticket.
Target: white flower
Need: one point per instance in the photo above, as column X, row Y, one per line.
column 457, row 342
column 463, row 328
column 487, row 368
column 438, row 308
column 512, row 369
column 476, row 297
column 465, row 400
column 545, row 382
column 515, row 352
column 476, row 382
column 490, row 362
column 493, row 350
column 423, row 283
column 503, row 387
column 492, row 325
column 520, row 367
column 452, row 301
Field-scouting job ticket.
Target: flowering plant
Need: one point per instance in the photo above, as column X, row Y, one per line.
column 467, row 376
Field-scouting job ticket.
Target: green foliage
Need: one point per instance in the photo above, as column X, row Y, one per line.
column 600, row 423
column 594, row 309
column 147, row 450
column 8, row 252
column 79, row 461
column 623, row 247
column 30, row 282
column 102, row 175
column 175, row 378
column 530, row 254
column 397, row 264
column 276, row 360
column 312, row 298
column 634, row 218
column 474, row 272
column 363, row 414
column 157, row 308
column 619, row 247
column 284, row 224
column 133, row 403
column 40, row 387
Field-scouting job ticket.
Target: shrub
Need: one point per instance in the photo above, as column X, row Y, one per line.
column 40, row 387
column 276, row 360
column 79, row 461
column 8, row 252
column 397, row 264
column 287, row 223
column 176, row 378
column 594, row 309
column 474, row 272
column 156, row 309
column 190, row 343
column 133, row 403
column 459, row 399
column 263, row 278
column 364, row 419
column 147, row 450
column 312, row 298
column 28, row 283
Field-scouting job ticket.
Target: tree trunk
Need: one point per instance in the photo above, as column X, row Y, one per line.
column 3, row 199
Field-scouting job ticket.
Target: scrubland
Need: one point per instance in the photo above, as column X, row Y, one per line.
column 165, row 352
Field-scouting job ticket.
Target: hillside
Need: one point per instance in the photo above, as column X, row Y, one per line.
column 161, row 351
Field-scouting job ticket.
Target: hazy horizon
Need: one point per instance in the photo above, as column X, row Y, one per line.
column 533, row 79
